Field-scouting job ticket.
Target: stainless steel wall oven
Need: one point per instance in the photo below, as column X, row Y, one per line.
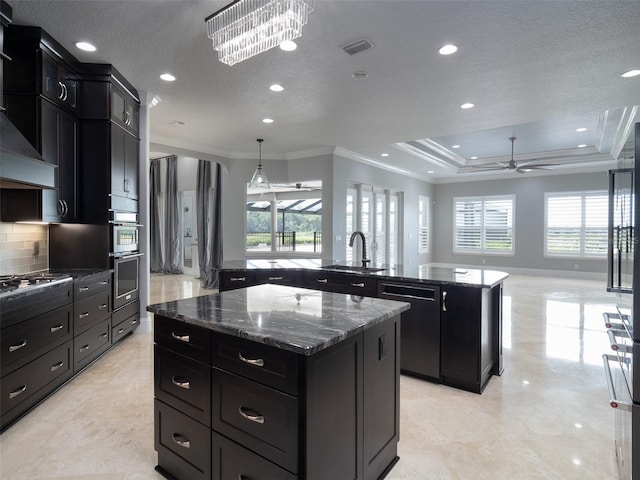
column 126, row 271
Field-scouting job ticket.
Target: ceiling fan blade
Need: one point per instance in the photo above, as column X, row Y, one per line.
column 528, row 163
column 546, row 166
column 487, row 168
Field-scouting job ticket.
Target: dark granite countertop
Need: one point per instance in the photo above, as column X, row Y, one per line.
column 296, row 319
column 469, row 277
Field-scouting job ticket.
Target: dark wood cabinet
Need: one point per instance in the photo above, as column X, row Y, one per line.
column 420, row 326
column 467, row 337
column 231, row 279
column 40, row 85
column 340, row 282
column 90, row 344
column 275, row 414
column 109, row 113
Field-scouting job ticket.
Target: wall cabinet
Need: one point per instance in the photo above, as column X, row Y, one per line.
column 40, row 85
column 124, row 163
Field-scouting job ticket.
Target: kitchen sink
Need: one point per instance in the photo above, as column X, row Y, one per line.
column 351, row 268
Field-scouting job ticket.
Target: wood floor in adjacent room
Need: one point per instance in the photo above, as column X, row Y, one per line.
column 546, row 418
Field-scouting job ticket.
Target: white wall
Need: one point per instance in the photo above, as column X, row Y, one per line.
column 529, row 220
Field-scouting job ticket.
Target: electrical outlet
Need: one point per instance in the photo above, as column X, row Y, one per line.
column 36, row 248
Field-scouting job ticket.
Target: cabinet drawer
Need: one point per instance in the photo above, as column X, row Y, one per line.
column 189, row 340
column 28, row 340
column 27, row 385
column 258, row 417
column 265, row 364
column 90, row 344
column 87, row 286
column 278, row 276
column 230, row 279
column 341, row 283
column 183, row 445
column 91, row 310
column 118, row 332
column 233, row 461
column 183, row 383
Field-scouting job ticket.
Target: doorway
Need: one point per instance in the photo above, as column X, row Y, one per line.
column 189, row 239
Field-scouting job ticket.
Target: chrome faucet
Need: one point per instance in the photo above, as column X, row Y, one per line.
column 365, row 260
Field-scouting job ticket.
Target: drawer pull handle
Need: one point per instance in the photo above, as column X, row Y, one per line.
column 17, row 391
column 84, row 347
column 257, row 362
column 83, row 289
column 83, row 315
column 237, row 279
column 104, row 282
column 253, row 416
column 104, row 335
column 120, row 330
column 182, row 338
column 13, row 348
column 275, row 278
column 361, row 285
column 57, row 366
column 55, row 328
column 444, row 301
column 181, row 382
column 181, row 440
column 102, row 307
column 322, row 280
column 134, row 321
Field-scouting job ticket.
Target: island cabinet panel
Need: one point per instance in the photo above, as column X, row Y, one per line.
column 420, row 327
column 467, row 334
column 276, row 414
column 184, row 338
column 277, row 276
column 230, row 280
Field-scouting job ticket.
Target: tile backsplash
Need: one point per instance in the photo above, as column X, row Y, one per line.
column 17, row 245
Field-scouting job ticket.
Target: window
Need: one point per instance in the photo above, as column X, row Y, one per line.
column 576, row 224
column 484, row 224
column 423, row 224
column 285, row 220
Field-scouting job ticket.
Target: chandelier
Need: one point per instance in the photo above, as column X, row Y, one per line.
column 259, row 179
column 245, row 28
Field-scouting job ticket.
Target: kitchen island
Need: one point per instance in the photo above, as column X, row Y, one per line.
column 277, row 382
column 451, row 335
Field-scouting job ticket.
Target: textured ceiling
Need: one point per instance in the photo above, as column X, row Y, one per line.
column 533, row 69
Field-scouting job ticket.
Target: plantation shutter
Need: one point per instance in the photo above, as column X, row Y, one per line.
column 498, row 224
column 595, row 224
column 423, row 224
column 468, row 230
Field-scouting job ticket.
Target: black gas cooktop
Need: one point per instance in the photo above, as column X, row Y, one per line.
column 11, row 283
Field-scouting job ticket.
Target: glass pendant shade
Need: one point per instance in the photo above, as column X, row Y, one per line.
column 246, row 28
column 259, row 179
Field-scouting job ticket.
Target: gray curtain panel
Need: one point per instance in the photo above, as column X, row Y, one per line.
column 209, row 224
column 173, row 253
column 155, row 236
column 203, row 194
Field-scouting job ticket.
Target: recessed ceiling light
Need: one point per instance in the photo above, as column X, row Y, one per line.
column 359, row 75
column 448, row 50
column 581, row 129
column 167, row 77
column 630, row 73
column 276, row 87
column 288, row 46
column 582, row 145
column 429, row 171
column 525, row 382
column 267, row 120
column 384, row 154
column 467, row 105
column 455, row 146
column 86, row 46
column 474, row 158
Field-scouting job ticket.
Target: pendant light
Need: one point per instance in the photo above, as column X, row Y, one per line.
column 259, row 179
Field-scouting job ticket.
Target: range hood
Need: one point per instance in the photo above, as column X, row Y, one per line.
column 21, row 166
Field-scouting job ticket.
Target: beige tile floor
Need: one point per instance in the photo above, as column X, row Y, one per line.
column 547, row 417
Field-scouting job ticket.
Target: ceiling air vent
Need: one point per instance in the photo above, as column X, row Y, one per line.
column 358, row 46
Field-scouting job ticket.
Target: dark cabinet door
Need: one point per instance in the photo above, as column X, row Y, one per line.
column 124, row 163
column 57, row 84
column 420, row 327
column 124, row 111
column 466, row 346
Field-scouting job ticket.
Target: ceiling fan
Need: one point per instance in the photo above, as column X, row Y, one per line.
column 511, row 165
